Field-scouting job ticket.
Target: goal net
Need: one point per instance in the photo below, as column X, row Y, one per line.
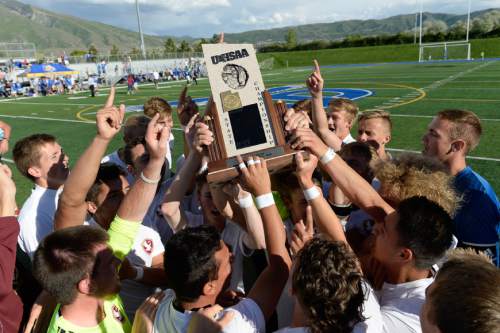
column 266, row 64
column 445, row 51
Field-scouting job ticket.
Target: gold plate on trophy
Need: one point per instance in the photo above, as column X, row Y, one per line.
column 230, row 101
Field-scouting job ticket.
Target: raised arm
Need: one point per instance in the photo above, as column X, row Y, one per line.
column 72, row 207
column 136, row 203
column 200, row 138
column 315, row 85
column 350, row 182
column 270, row 283
column 326, row 220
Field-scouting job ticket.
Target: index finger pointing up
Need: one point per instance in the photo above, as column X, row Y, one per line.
column 111, row 98
column 316, row 66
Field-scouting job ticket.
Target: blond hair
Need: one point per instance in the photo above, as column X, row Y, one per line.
column 344, row 104
column 410, row 175
column 377, row 114
column 156, row 105
column 465, row 125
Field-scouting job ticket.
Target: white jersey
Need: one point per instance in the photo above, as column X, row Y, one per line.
column 248, row 317
column 36, row 218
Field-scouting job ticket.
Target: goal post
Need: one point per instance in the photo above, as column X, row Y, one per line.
column 442, row 51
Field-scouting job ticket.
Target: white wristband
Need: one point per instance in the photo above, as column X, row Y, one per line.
column 246, row 202
column 328, row 156
column 265, row 200
column 148, row 180
column 139, row 273
column 311, row 193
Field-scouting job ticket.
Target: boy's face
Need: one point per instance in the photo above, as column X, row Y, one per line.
column 52, row 166
column 166, row 120
column 437, row 141
column 373, row 129
column 338, row 122
column 386, row 246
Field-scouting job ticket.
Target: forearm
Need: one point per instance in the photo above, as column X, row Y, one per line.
column 319, row 117
column 275, row 237
column 254, row 227
column 357, row 189
column 136, row 203
column 324, row 217
column 180, row 185
column 8, row 205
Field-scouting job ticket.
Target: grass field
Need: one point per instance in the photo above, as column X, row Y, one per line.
column 413, row 93
column 371, row 54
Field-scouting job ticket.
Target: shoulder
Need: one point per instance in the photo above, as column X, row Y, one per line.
column 248, row 317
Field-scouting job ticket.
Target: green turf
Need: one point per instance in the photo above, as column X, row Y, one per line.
column 373, row 54
column 473, row 86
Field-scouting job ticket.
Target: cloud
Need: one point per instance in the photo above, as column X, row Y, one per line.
column 203, row 18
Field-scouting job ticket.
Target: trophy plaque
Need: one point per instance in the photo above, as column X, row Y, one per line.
column 242, row 115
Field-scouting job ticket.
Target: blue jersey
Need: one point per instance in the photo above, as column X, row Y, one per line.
column 477, row 221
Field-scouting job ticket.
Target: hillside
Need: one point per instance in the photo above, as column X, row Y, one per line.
column 52, row 32
column 342, row 29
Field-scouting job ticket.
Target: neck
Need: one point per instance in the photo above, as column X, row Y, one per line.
column 201, row 302
column 85, row 311
column 398, row 275
column 382, row 153
column 456, row 164
column 299, row 318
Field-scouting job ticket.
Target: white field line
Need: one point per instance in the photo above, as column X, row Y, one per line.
column 422, row 116
column 468, row 157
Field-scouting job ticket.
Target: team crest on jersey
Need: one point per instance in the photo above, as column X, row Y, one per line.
column 117, row 314
column 147, row 245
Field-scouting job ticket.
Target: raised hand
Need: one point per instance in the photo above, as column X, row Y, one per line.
column 315, row 81
column 145, row 314
column 157, row 136
column 305, row 138
column 302, row 233
column 109, row 119
column 254, row 175
column 201, row 137
column 234, row 190
column 305, row 168
column 296, row 119
column 186, row 107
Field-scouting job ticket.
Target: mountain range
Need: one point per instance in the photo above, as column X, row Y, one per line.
column 53, row 32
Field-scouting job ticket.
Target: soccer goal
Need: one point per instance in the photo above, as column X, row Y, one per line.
column 267, row 64
column 456, row 50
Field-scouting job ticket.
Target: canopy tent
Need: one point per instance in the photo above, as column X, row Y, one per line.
column 50, row 70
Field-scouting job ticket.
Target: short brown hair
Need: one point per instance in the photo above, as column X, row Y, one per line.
column 377, row 114
column 465, row 125
column 410, row 175
column 27, row 153
column 344, row 104
column 135, row 127
column 466, row 295
column 156, row 105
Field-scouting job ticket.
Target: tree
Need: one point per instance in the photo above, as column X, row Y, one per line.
column 169, row 46
column 214, row 39
column 197, row 47
column 135, row 52
column 114, row 52
column 78, row 53
column 291, row 38
column 184, row 47
column 93, row 50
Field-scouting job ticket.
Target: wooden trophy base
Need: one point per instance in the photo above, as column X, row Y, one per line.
column 277, row 158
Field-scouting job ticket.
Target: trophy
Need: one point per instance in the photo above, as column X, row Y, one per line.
column 243, row 117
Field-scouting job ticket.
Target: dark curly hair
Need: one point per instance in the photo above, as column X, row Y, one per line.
column 327, row 281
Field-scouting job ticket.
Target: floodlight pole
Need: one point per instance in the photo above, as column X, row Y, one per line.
column 143, row 47
column 415, row 29
column 420, row 50
column 468, row 22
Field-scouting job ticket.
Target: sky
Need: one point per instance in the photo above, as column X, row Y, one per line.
column 203, row 18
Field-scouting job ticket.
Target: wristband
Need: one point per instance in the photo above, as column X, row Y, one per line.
column 246, row 202
column 311, row 193
column 148, row 180
column 139, row 273
column 328, row 156
column 265, row 200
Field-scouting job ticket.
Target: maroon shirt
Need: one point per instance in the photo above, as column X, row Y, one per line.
column 11, row 308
